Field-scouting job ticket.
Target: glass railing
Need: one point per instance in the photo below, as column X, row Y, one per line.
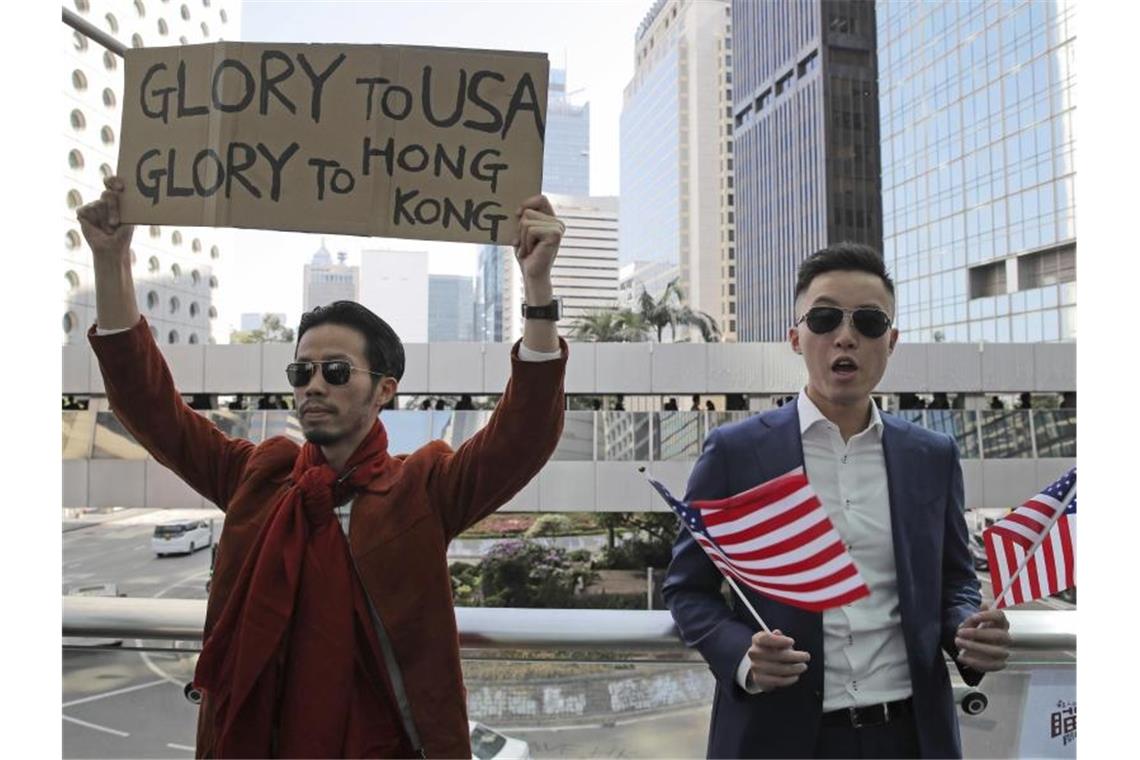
column 568, row 683
column 605, row 436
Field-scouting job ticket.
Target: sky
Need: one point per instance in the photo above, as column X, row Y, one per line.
column 591, row 39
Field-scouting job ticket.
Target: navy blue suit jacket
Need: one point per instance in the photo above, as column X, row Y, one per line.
column 937, row 587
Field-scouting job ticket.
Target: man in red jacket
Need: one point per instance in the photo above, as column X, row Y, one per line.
column 329, row 637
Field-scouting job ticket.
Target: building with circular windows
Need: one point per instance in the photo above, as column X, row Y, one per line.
column 91, row 83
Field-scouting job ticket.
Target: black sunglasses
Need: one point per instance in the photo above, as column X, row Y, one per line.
column 336, row 372
column 821, row 320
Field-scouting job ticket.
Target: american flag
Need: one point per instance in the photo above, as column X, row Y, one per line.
column 1039, row 539
column 776, row 539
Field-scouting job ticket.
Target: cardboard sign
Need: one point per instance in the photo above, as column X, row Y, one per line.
column 380, row 140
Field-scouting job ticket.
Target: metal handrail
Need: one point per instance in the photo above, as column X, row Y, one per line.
column 495, row 627
column 92, row 32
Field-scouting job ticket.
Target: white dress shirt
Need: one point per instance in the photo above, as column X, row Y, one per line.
column 864, row 654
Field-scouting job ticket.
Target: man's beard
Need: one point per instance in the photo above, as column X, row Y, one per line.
column 323, row 437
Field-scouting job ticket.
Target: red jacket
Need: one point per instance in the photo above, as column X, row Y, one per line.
column 401, row 524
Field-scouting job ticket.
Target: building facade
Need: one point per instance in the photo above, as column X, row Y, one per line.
column 325, row 282
column 806, row 127
column 566, row 150
column 176, row 270
column 585, row 274
column 979, row 208
column 451, row 304
column 677, row 152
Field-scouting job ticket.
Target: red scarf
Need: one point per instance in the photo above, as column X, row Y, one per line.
column 292, row 666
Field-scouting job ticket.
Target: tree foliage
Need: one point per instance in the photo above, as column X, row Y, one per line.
column 271, row 331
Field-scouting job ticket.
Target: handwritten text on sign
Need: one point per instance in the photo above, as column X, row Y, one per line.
column 380, row 140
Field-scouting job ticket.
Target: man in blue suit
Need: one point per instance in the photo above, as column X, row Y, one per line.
column 868, row 679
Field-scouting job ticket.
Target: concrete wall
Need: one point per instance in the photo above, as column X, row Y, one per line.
column 630, row 368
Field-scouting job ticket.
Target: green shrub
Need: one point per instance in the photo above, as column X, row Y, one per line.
column 635, row 554
column 521, row 573
column 550, row 525
column 632, row 601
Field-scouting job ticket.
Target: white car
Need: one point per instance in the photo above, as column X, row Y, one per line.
column 487, row 744
column 181, row 537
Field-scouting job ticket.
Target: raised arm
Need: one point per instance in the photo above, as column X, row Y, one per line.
column 492, row 466
column 139, row 385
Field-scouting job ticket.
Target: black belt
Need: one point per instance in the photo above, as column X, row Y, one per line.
column 871, row 715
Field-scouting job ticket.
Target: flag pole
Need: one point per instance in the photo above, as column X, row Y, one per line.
column 1036, row 545
column 727, row 577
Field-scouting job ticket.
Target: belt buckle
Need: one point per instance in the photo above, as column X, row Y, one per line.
column 853, row 712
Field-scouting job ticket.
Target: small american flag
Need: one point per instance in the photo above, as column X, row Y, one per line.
column 776, row 539
column 1032, row 550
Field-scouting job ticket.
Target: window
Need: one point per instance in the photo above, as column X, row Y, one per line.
column 109, row 97
column 193, row 339
column 194, row 308
column 225, row 17
column 106, row 170
column 111, row 61
column 72, row 239
column 195, row 277
column 74, row 199
column 72, row 280
column 163, row 29
column 1038, row 270
column 79, row 80
column 185, row 13
column 175, row 271
column 214, row 252
column 175, row 305
column 176, row 237
column 112, row 23
column 213, row 281
column 82, row 6
column 136, row 40
column 107, row 135
column 140, row 8
column 172, row 337
column 70, row 321
column 79, row 41
column 213, row 313
column 196, row 245
column 205, row 30
column 75, row 159
column 78, row 121
column 151, row 300
column 152, row 265
column 155, row 231
column 182, row 40
column 987, row 280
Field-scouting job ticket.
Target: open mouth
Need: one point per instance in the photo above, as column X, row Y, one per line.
column 844, row 367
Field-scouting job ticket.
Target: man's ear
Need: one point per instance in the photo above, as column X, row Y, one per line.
column 794, row 339
column 894, row 339
column 385, row 391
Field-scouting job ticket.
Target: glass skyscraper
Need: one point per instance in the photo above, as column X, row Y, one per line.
column 566, row 155
column 979, row 230
column 676, row 153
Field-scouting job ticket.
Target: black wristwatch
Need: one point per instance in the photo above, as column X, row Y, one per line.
column 551, row 311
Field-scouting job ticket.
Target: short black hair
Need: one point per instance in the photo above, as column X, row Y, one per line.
column 843, row 257
column 383, row 349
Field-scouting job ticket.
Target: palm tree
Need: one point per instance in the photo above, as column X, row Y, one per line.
column 610, row 326
column 670, row 310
